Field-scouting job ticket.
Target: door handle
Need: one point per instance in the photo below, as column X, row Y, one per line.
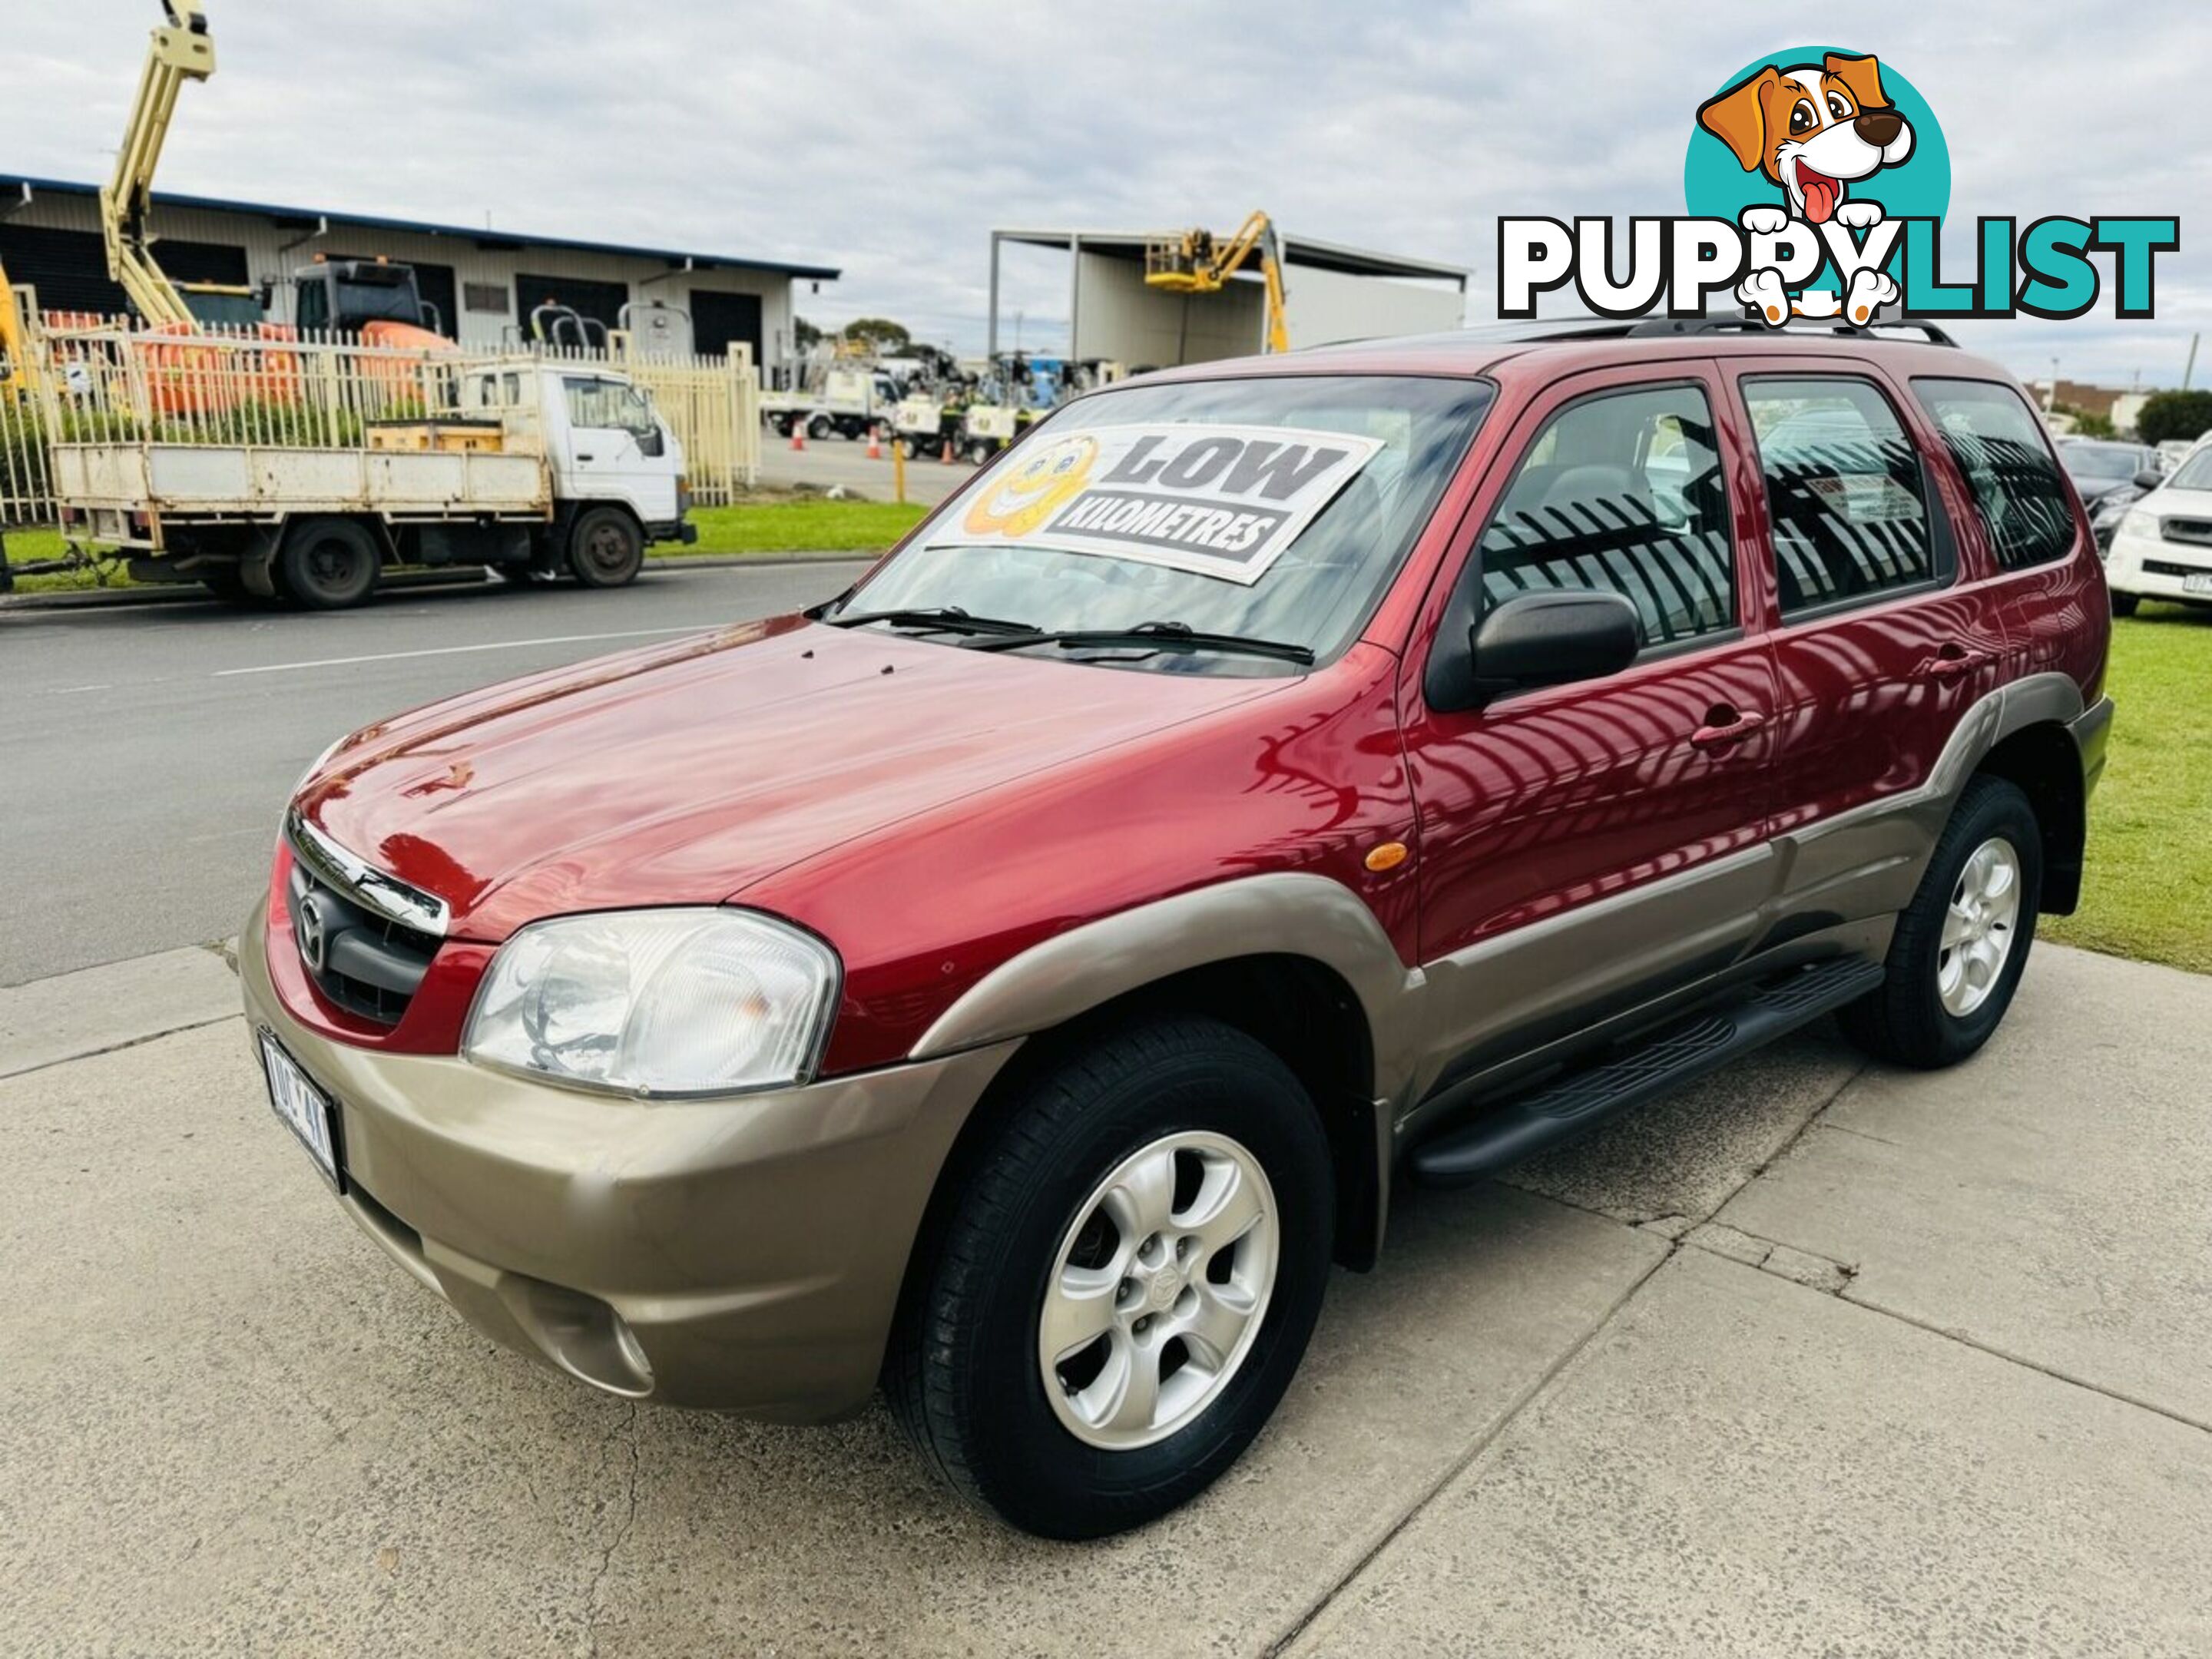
column 582, row 457
column 1725, row 728
column 1954, row 662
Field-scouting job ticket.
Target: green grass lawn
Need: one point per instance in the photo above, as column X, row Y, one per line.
column 801, row 525
column 2148, row 889
column 806, row 525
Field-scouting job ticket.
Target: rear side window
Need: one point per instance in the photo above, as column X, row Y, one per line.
column 1844, row 489
column 2018, row 492
column 1621, row 493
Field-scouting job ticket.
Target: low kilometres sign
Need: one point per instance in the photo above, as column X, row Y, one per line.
column 1216, row 500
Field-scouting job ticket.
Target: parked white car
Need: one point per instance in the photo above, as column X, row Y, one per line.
column 2162, row 549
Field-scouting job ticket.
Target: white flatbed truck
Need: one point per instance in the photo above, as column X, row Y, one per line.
column 264, row 468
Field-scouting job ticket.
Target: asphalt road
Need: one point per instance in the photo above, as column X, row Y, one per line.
column 146, row 751
column 835, row 461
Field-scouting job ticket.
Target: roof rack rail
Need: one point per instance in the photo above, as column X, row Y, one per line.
column 1729, row 322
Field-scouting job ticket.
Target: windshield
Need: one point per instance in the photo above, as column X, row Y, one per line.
column 1271, row 508
column 2102, row 460
column 222, row 310
column 369, row 303
column 2195, row 473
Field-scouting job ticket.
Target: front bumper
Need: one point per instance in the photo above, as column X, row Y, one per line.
column 743, row 1254
column 2153, row 567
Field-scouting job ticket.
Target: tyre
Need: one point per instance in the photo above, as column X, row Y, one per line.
column 605, row 548
column 1962, row 944
column 2124, row 604
column 913, row 449
column 819, row 428
column 1124, row 1282
column 980, row 453
column 330, row 564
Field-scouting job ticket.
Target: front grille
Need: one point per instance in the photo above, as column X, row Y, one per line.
column 365, row 961
column 2197, row 532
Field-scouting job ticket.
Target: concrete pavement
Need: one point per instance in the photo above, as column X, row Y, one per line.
column 1814, row 1357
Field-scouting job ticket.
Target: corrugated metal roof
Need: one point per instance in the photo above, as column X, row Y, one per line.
column 12, row 185
column 1297, row 251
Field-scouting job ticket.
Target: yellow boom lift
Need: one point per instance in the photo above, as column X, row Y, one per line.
column 1198, row 262
column 181, row 50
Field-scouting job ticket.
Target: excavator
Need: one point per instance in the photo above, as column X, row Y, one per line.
column 1198, row 262
column 376, row 301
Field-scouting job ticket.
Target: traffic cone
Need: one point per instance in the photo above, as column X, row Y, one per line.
column 875, row 443
column 799, row 435
column 945, row 459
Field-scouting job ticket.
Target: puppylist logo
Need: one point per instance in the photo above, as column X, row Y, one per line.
column 1816, row 181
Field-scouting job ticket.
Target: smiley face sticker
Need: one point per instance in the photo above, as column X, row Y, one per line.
column 1036, row 490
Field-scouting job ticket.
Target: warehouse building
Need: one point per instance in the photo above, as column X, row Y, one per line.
column 1331, row 293
column 484, row 282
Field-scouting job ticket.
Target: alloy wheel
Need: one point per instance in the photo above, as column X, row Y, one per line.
column 1979, row 927
column 1158, row 1291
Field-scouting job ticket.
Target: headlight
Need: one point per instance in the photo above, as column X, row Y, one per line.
column 2137, row 522
column 657, row 1002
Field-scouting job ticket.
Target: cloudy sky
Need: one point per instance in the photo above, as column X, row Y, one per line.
column 888, row 140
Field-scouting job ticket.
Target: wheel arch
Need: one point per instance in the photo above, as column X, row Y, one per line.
column 2041, row 760
column 1298, row 962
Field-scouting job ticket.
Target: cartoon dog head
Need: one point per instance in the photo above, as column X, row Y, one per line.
column 1811, row 129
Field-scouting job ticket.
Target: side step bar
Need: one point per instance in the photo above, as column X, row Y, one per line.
column 1567, row 1106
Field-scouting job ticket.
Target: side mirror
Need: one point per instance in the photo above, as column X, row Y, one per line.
column 2149, row 479
column 1553, row 639
column 651, row 443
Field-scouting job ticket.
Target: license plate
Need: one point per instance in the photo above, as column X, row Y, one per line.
column 2201, row 582
column 305, row 1110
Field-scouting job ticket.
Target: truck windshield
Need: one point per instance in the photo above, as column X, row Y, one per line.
column 214, row 308
column 377, row 302
column 1274, row 510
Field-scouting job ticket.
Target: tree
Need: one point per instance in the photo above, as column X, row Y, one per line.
column 2186, row 415
column 887, row 337
column 803, row 334
column 2087, row 424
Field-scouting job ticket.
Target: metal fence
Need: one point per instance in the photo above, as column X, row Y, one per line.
column 273, row 387
column 26, row 473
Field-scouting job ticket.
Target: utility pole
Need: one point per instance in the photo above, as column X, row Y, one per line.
column 2188, row 373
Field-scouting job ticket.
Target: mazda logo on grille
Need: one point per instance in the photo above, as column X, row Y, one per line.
column 313, row 933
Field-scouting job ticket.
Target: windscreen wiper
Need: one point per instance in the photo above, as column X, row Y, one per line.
column 949, row 618
column 1153, row 634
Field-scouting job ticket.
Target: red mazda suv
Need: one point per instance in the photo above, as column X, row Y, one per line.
column 1011, row 984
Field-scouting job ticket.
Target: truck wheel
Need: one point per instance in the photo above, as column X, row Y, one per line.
column 1962, row 944
column 606, row 549
column 980, row 453
column 913, row 449
column 1125, row 1282
column 328, row 564
column 819, row 428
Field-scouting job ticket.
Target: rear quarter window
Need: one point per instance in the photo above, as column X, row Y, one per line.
column 2020, row 494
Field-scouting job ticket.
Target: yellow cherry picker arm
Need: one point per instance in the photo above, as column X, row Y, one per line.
column 1198, row 262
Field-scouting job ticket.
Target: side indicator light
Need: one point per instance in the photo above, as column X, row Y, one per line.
column 1389, row 856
